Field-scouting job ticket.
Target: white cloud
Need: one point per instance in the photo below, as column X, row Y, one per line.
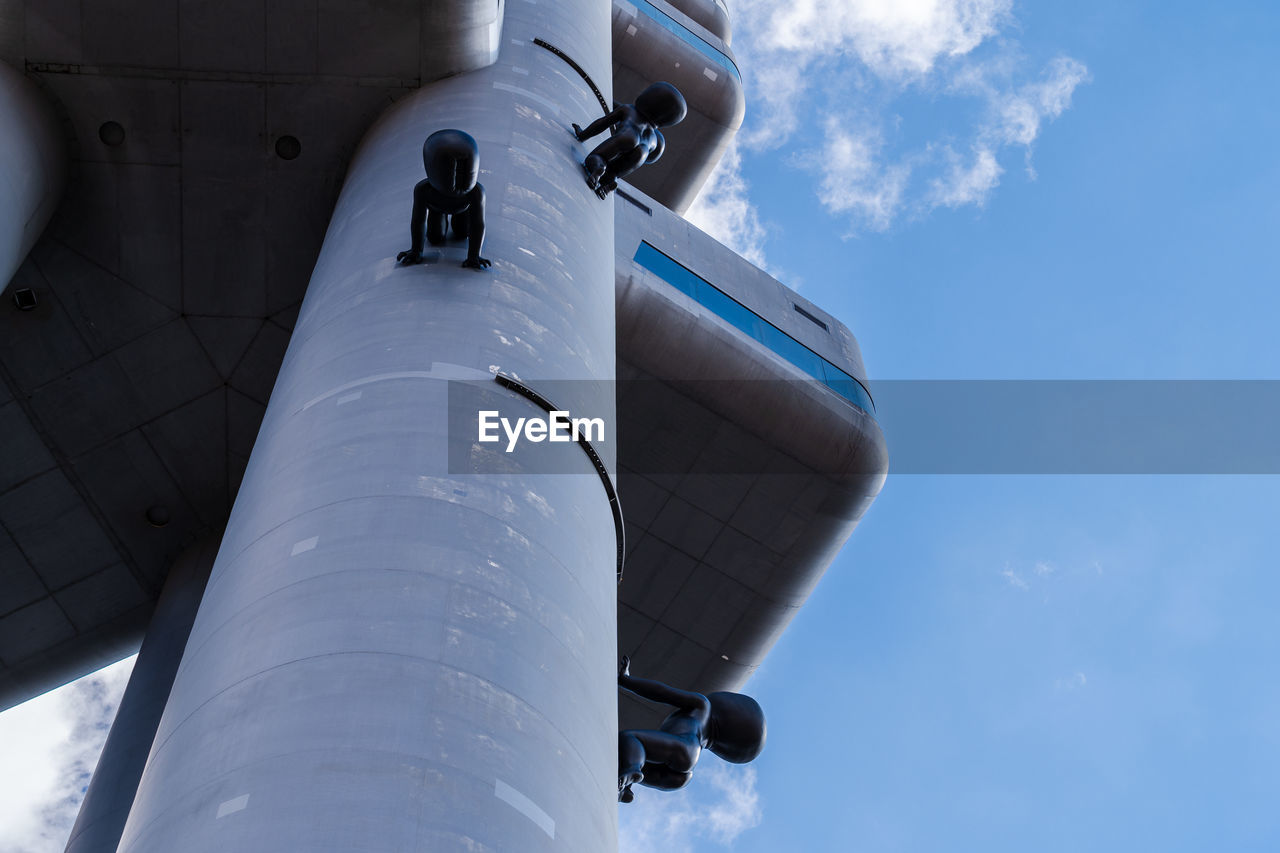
column 51, row 745
column 963, row 183
column 719, row 805
column 854, row 180
column 1022, row 111
column 724, row 210
column 894, row 38
column 1014, row 579
column 1043, row 569
column 854, row 61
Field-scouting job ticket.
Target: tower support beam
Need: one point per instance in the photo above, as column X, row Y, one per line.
column 115, row 780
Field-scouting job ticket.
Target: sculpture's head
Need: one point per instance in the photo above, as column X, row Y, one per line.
column 452, row 161
column 662, row 104
column 737, row 727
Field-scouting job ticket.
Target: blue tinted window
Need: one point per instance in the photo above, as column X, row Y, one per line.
column 747, row 321
column 698, row 43
column 793, row 351
column 846, row 386
column 670, row 271
column 722, row 305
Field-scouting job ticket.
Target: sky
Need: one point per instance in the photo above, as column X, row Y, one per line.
column 981, row 189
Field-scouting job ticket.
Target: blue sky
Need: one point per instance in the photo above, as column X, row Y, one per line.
column 1020, row 662
column 995, row 189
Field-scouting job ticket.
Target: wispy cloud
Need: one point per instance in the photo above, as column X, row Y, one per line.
column 1014, row 579
column 724, row 210
column 51, row 746
column 855, row 180
column 1075, row 681
column 860, row 64
column 719, row 805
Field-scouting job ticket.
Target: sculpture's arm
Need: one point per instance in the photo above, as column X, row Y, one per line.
column 475, row 229
column 600, row 125
column 664, row 693
column 417, row 222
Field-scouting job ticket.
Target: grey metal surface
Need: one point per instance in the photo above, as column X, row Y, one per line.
column 32, row 167
column 390, row 655
column 653, row 40
column 115, row 779
column 711, row 15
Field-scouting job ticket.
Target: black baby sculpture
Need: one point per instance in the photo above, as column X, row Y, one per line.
column 635, row 139
column 729, row 724
column 449, row 196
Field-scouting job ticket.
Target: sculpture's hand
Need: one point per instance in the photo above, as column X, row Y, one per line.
column 624, row 666
column 408, row 257
column 477, row 263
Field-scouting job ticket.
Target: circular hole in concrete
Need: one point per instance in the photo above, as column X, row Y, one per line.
column 111, row 133
column 288, row 148
column 158, row 516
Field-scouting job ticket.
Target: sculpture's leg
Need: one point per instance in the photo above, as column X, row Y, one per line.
column 394, row 655
column 663, row 748
column 630, row 755
column 623, row 165
column 594, row 166
column 437, row 224
column 662, row 777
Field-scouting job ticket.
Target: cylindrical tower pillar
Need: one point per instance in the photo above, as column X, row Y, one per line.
column 32, row 168
column 391, row 656
column 115, row 780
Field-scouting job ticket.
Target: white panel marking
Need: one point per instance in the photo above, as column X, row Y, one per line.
column 439, row 370
column 533, row 96
column 232, row 806
column 304, row 546
column 631, row 29
column 525, row 806
column 349, row 398
column 709, row 74
column 518, row 70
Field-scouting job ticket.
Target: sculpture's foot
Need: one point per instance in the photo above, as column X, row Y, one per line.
column 627, row 795
column 603, row 190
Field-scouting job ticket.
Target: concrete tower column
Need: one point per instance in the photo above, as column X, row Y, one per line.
column 106, row 803
column 32, row 168
column 391, row 656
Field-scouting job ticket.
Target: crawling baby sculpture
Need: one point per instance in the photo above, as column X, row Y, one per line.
column 450, row 195
column 729, row 724
column 635, row 138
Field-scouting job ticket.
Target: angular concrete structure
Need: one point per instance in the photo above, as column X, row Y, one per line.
column 409, row 638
